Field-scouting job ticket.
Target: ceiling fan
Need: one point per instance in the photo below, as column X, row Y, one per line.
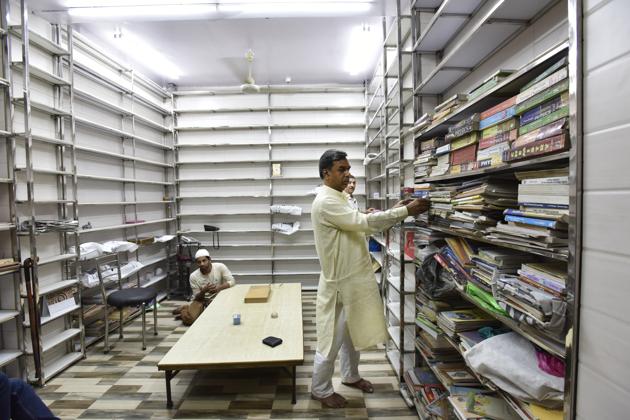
column 250, row 85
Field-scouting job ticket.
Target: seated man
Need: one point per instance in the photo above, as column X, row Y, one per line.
column 206, row 282
column 18, row 400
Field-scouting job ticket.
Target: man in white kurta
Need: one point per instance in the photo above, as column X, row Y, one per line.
column 349, row 308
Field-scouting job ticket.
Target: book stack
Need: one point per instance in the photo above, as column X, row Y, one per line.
column 478, row 204
column 542, row 107
column 496, row 140
column 489, row 83
column 491, row 262
column 441, row 206
column 422, row 190
column 541, row 221
column 537, row 295
column 463, row 138
column 444, row 109
column 423, row 122
column 453, row 322
column 455, row 259
column 443, row 161
column 427, row 389
column 426, row 159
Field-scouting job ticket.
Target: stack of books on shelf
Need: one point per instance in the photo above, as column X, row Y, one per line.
column 423, row 122
column 447, row 107
column 426, row 160
column 443, row 160
column 478, row 204
column 542, row 107
column 427, row 390
column 498, row 131
column 490, row 262
column 463, row 138
column 536, row 296
column 542, row 218
column 489, row 83
column 454, row 322
column 441, row 207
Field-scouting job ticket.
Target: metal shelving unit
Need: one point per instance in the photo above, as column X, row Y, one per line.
column 451, row 40
column 47, row 346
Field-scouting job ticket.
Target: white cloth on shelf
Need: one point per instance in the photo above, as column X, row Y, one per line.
column 286, row 228
column 119, row 246
column 163, row 238
column 286, row 209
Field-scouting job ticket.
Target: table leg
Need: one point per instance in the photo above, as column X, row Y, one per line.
column 293, row 399
column 168, row 375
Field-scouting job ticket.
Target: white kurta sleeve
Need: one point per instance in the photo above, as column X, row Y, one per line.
column 341, row 216
column 226, row 276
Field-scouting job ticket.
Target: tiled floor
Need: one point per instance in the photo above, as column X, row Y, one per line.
column 126, row 383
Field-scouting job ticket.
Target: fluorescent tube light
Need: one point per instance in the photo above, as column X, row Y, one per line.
column 146, row 55
column 146, row 11
column 361, row 49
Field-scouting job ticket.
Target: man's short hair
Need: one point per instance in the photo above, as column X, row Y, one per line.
column 328, row 158
column 352, row 177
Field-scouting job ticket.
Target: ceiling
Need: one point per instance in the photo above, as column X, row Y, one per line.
column 210, row 50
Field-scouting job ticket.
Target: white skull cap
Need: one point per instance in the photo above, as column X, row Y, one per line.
column 202, row 253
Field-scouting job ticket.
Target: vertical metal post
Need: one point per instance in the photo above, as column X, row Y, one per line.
column 575, row 200
column 271, row 233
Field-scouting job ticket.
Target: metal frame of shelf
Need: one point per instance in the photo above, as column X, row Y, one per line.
column 66, row 184
column 447, row 46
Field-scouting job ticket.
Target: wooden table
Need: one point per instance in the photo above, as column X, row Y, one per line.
column 213, row 342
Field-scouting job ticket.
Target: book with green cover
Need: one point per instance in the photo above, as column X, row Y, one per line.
column 554, row 116
column 553, row 91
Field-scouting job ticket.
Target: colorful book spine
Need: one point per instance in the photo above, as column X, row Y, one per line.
column 543, row 96
column 463, row 130
column 466, row 154
column 549, row 130
column 551, row 224
column 497, row 118
column 543, row 147
column 494, row 153
column 465, row 141
column 542, row 85
column 498, row 108
column 508, row 136
column 508, row 125
column 554, row 116
column 545, row 109
column 548, row 71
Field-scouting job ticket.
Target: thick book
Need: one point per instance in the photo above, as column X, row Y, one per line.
column 552, row 206
column 489, row 83
column 508, row 125
column 493, row 153
column 508, row 103
column 544, row 109
column 556, row 270
column 547, row 180
column 549, row 130
column 454, row 100
column 464, row 141
column 442, row 150
column 543, row 96
column 506, row 136
column 554, row 116
column 544, row 147
column 464, row 155
column 463, row 127
column 497, row 118
column 542, row 173
column 562, row 62
column 542, row 85
column 551, row 224
column 543, row 199
column 544, row 189
column 537, row 215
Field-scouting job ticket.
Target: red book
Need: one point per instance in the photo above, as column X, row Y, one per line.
column 498, row 108
column 539, row 148
column 464, row 155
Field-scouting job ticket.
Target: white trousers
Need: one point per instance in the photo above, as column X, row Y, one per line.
column 324, row 367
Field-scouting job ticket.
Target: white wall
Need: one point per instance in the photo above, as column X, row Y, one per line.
column 227, row 142
column 603, row 361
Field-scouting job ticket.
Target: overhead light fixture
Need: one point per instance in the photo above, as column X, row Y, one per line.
column 143, row 53
column 101, row 9
column 362, row 47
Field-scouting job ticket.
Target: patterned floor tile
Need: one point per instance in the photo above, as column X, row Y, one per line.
column 125, row 383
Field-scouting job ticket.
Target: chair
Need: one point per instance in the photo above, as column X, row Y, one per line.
column 108, row 269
